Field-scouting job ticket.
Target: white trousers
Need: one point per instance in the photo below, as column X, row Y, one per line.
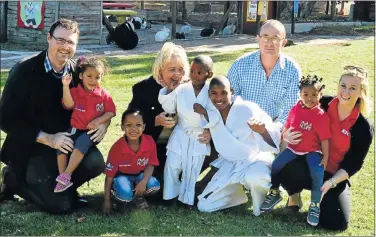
column 257, row 179
column 190, row 170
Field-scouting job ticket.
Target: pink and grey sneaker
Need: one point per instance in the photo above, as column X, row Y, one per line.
column 61, row 187
column 64, row 179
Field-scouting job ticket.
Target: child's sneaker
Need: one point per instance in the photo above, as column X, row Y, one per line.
column 141, row 203
column 61, row 187
column 64, row 179
column 272, row 199
column 313, row 216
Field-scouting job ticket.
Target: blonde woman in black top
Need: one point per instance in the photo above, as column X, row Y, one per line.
column 352, row 136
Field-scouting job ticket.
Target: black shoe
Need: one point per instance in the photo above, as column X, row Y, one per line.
column 81, row 202
column 6, row 194
column 295, row 208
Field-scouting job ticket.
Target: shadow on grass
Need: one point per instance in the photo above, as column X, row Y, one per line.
column 24, row 219
column 145, row 64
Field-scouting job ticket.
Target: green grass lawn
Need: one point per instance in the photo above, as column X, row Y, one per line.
column 326, row 61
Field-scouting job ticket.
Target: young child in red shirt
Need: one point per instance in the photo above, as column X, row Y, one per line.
column 130, row 164
column 308, row 118
column 91, row 106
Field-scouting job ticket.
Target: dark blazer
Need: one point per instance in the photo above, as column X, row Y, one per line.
column 145, row 99
column 361, row 138
column 31, row 102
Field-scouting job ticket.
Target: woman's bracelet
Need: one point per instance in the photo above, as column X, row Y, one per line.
column 334, row 183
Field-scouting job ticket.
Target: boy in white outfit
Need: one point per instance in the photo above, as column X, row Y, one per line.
column 245, row 139
column 185, row 154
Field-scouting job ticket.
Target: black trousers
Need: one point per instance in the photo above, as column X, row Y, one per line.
column 335, row 205
column 37, row 185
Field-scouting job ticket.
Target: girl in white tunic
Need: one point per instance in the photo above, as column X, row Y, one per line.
column 185, row 154
column 245, row 139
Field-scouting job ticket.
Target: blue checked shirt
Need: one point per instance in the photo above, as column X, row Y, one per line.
column 275, row 95
column 48, row 67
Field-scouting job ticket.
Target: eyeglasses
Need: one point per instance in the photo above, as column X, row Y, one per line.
column 274, row 39
column 356, row 68
column 62, row 41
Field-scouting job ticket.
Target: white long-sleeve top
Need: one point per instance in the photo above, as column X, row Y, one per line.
column 184, row 138
column 239, row 147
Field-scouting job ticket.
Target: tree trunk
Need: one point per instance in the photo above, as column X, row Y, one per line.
column 3, row 21
column 293, row 19
column 278, row 11
column 173, row 27
column 184, row 11
column 239, row 28
column 333, row 9
column 226, row 6
column 308, row 9
column 258, row 19
column 327, row 8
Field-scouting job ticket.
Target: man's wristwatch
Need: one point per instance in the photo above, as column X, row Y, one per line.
column 334, row 183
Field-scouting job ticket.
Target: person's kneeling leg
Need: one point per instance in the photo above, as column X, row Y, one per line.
column 222, row 198
column 335, row 208
column 152, row 186
column 40, row 183
column 122, row 188
column 258, row 181
column 172, row 170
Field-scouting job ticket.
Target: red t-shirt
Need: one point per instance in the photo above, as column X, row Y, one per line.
column 123, row 159
column 89, row 106
column 312, row 123
column 340, row 142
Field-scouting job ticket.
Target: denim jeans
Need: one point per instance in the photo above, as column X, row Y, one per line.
column 123, row 186
column 313, row 160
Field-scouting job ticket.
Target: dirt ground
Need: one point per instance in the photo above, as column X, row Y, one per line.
column 199, row 44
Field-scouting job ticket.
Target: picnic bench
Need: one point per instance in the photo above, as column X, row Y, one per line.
column 121, row 14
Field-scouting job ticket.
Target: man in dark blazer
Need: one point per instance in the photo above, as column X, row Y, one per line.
column 34, row 120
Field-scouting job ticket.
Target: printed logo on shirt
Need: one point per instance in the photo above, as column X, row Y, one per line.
column 142, row 161
column 100, row 107
column 109, row 167
column 80, row 108
column 347, row 133
column 306, row 125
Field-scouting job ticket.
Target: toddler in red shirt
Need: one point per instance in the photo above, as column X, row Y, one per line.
column 130, row 164
column 91, row 107
column 308, row 118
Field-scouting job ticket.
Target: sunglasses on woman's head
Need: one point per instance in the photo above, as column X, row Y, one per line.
column 358, row 69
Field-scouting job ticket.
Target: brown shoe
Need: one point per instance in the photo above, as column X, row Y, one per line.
column 141, row 203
